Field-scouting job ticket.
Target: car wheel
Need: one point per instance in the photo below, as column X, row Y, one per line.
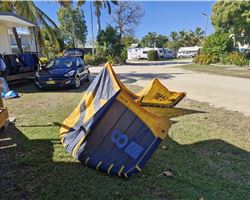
column 88, row 77
column 77, row 82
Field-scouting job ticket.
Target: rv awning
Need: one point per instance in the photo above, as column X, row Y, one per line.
column 9, row 20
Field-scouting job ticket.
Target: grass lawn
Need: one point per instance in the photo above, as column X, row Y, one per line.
column 207, row 151
column 243, row 72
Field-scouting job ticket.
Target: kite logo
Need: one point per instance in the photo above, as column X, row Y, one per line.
column 121, row 140
column 159, row 96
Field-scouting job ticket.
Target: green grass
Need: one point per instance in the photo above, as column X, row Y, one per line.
column 243, row 72
column 207, row 150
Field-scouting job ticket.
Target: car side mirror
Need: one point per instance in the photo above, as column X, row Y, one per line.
column 42, row 66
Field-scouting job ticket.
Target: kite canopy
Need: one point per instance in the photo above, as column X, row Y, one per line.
column 109, row 130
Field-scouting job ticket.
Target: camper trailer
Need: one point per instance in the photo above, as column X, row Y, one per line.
column 188, row 52
column 142, row 53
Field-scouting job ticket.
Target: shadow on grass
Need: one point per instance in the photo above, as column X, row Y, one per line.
column 134, row 77
column 156, row 63
column 40, row 169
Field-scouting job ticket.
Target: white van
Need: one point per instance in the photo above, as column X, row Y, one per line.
column 169, row 54
column 187, row 52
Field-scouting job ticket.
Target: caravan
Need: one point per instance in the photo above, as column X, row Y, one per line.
column 142, row 53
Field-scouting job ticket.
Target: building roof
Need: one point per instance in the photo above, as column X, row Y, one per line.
column 9, row 20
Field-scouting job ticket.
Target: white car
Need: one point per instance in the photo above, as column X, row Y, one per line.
column 187, row 52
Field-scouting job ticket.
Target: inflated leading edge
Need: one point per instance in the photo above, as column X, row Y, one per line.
column 109, row 130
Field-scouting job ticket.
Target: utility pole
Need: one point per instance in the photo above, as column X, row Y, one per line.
column 206, row 15
column 92, row 29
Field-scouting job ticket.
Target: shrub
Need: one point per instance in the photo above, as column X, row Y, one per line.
column 205, row 59
column 235, row 58
column 110, row 59
column 218, row 44
column 94, row 60
column 44, row 60
column 152, row 55
column 124, row 55
column 109, row 41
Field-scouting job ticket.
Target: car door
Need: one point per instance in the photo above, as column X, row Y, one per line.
column 82, row 68
column 79, row 68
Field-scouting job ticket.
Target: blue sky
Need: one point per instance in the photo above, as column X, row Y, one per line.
column 160, row 16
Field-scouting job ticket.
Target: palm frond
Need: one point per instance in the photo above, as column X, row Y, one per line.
column 65, row 3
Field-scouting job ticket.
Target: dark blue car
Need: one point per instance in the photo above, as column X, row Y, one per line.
column 62, row 72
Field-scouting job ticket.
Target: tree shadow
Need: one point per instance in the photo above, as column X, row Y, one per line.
column 156, row 63
column 134, row 77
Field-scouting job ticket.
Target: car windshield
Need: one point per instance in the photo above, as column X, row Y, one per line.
column 73, row 53
column 60, row 63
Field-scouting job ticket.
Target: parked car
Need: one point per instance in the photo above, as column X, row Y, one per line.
column 187, row 52
column 62, row 72
column 169, row 54
column 74, row 52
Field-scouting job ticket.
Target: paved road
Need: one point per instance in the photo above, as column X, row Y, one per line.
column 221, row 91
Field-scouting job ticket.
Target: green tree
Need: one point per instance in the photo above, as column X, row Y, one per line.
column 196, row 36
column 174, row 45
column 127, row 41
column 232, row 17
column 218, row 44
column 72, row 26
column 173, row 42
column 31, row 12
column 109, row 42
column 152, row 39
column 51, row 48
column 174, row 36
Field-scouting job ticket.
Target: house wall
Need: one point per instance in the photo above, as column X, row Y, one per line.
column 4, row 40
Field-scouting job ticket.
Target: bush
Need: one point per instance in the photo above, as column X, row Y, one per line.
column 205, row 59
column 235, row 58
column 124, row 55
column 44, row 60
column 94, row 60
column 152, row 55
column 110, row 59
column 218, row 44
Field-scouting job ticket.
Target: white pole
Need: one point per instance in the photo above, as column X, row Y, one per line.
column 206, row 15
column 92, row 29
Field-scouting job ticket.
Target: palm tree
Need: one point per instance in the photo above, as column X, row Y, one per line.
column 31, row 12
column 197, row 35
column 174, row 36
column 99, row 4
column 184, row 38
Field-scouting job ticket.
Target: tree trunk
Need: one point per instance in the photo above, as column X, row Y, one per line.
column 99, row 24
column 18, row 40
